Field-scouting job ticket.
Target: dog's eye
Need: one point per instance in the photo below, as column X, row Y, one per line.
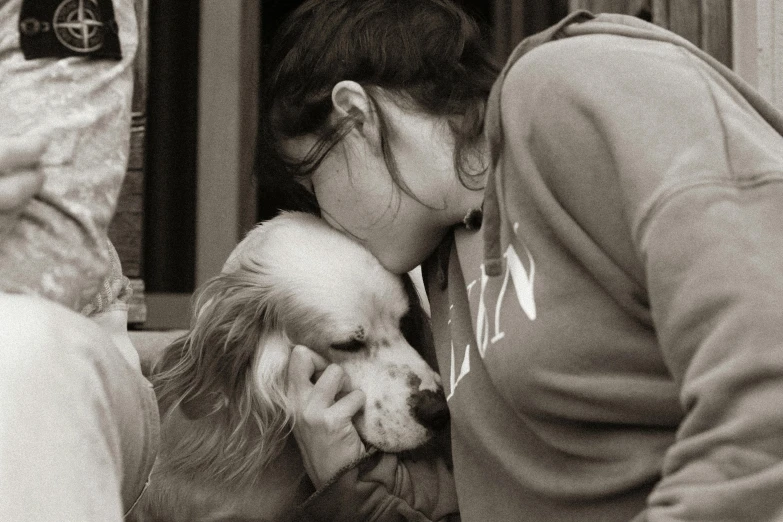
column 354, row 345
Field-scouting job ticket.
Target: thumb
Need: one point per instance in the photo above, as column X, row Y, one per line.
column 349, row 405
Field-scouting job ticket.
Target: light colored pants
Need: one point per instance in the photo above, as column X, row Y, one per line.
column 78, row 421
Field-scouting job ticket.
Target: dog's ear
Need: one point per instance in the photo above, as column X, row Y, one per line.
column 200, row 371
column 417, row 329
column 231, row 366
column 415, row 325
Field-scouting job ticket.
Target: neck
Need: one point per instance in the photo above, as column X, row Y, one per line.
column 465, row 200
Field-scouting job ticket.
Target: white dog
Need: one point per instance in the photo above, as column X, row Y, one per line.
column 226, row 448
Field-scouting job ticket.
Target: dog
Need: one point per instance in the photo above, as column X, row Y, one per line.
column 227, row 452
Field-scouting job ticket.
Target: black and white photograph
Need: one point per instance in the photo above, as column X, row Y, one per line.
column 391, row 261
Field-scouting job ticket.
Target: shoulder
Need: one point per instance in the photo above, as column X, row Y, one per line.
column 598, row 76
column 594, row 64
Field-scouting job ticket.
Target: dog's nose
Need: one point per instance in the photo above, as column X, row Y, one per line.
column 430, row 409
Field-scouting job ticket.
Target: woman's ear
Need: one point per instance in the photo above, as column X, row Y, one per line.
column 351, row 100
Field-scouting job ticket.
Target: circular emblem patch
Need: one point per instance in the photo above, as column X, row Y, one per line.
column 78, row 25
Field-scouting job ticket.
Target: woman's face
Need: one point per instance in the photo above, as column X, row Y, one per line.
column 357, row 194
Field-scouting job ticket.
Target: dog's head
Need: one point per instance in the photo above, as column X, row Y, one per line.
column 295, row 280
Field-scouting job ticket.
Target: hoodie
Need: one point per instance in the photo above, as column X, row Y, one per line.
column 611, row 340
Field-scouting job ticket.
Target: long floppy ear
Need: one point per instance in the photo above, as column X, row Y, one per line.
column 201, row 371
column 415, row 325
column 231, row 366
column 417, row 330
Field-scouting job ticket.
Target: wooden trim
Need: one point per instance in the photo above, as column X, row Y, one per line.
column 660, row 12
column 509, row 27
column 126, row 228
column 685, row 19
column 167, row 311
column 631, row 7
column 745, row 49
column 514, row 21
column 228, row 84
column 706, row 23
column 770, row 45
column 715, row 30
column 137, row 306
column 250, row 60
column 758, row 46
column 141, row 69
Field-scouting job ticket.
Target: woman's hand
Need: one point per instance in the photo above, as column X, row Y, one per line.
column 18, row 182
column 327, row 439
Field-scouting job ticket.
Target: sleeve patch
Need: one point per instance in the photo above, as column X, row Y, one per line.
column 63, row 28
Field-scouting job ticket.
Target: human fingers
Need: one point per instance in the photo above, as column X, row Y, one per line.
column 350, row 405
column 326, row 388
column 302, row 365
column 323, row 430
column 20, row 152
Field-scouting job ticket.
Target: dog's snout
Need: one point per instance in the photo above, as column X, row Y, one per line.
column 430, row 409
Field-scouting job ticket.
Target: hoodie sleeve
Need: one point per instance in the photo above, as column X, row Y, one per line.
column 383, row 487
column 699, row 179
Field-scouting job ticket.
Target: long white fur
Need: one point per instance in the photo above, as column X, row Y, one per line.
column 226, row 420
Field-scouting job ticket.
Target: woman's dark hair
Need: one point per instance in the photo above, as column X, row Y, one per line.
column 426, row 54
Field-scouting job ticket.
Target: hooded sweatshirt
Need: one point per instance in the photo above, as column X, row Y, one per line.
column 611, row 340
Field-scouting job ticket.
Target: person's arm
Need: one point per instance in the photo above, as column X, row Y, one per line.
column 383, row 487
column 714, row 262
column 352, row 483
column 76, row 95
column 713, row 256
column 701, row 186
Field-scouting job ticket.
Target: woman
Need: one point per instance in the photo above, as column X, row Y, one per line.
column 610, row 339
